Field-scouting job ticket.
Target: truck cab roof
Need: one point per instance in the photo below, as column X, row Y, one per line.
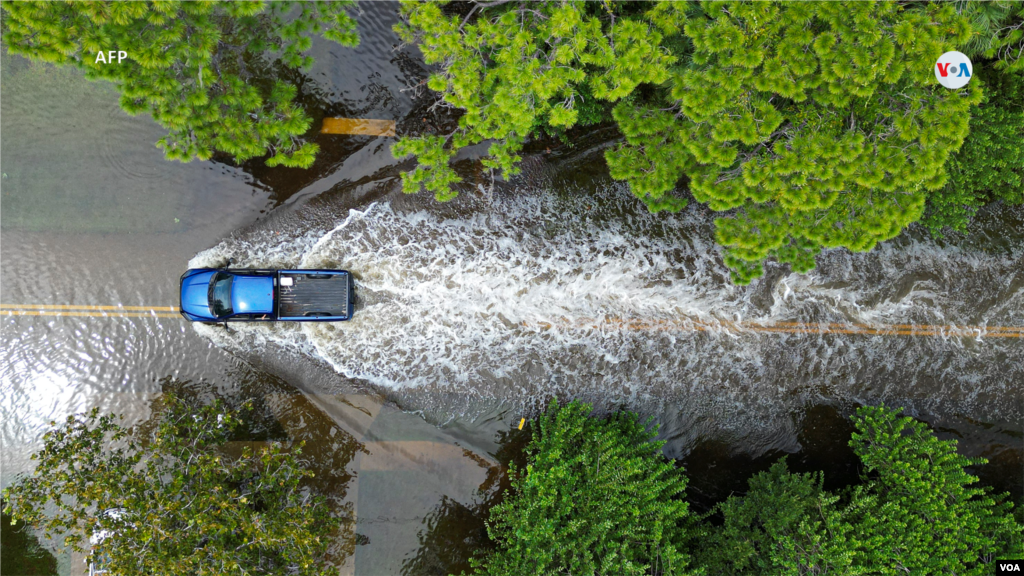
column 252, row 295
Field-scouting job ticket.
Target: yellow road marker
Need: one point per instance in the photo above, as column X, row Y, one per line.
column 588, row 323
column 358, row 126
column 791, row 327
column 521, row 422
column 86, row 310
column 97, row 314
column 84, row 307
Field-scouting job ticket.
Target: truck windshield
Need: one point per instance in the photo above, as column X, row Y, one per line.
column 219, row 294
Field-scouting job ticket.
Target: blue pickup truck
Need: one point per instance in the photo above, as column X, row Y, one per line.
column 236, row 295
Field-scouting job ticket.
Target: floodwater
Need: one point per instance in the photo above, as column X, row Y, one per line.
column 542, row 288
column 470, row 314
column 92, row 214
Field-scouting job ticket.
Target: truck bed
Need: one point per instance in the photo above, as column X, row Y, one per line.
column 305, row 295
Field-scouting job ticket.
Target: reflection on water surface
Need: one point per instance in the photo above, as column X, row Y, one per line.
column 408, row 410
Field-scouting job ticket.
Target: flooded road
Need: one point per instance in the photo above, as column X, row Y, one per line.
column 471, row 314
column 535, row 291
column 91, row 214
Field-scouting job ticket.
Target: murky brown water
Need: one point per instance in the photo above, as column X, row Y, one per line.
column 92, row 214
column 408, row 411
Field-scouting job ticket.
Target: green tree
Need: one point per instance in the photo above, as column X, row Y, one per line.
column 812, row 124
column 997, row 32
column 191, row 65
column 918, row 511
column 785, row 524
column 171, row 501
column 522, row 67
column 990, row 165
column 596, row 497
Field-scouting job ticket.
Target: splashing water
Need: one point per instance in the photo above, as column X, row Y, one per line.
column 583, row 297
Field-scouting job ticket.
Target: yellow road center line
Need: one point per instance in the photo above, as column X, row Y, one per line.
column 358, row 126
column 97, row 314
column 794, row 328
column 915, row 326
column 83, row 307
column 782, row 326
column 585, row 323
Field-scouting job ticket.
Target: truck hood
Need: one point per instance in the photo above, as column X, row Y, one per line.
column 194, row 298
column 252, row 295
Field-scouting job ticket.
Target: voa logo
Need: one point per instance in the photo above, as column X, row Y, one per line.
column 953, row 70
column 1009, row 566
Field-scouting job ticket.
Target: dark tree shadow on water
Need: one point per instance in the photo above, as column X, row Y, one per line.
column 455, row 532
column 21, row 553
column 716, row 469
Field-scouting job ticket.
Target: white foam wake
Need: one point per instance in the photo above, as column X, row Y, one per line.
column 528, row 299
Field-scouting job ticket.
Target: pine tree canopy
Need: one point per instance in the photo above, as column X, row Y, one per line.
column 997, row 33
column 809, row 124
column 990, row 165
column 198, row 68
column 596, row 498
column 516, row 67
column 917, row 511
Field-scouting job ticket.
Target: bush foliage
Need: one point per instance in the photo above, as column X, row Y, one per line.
column 171, row 502
column 917, row 511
